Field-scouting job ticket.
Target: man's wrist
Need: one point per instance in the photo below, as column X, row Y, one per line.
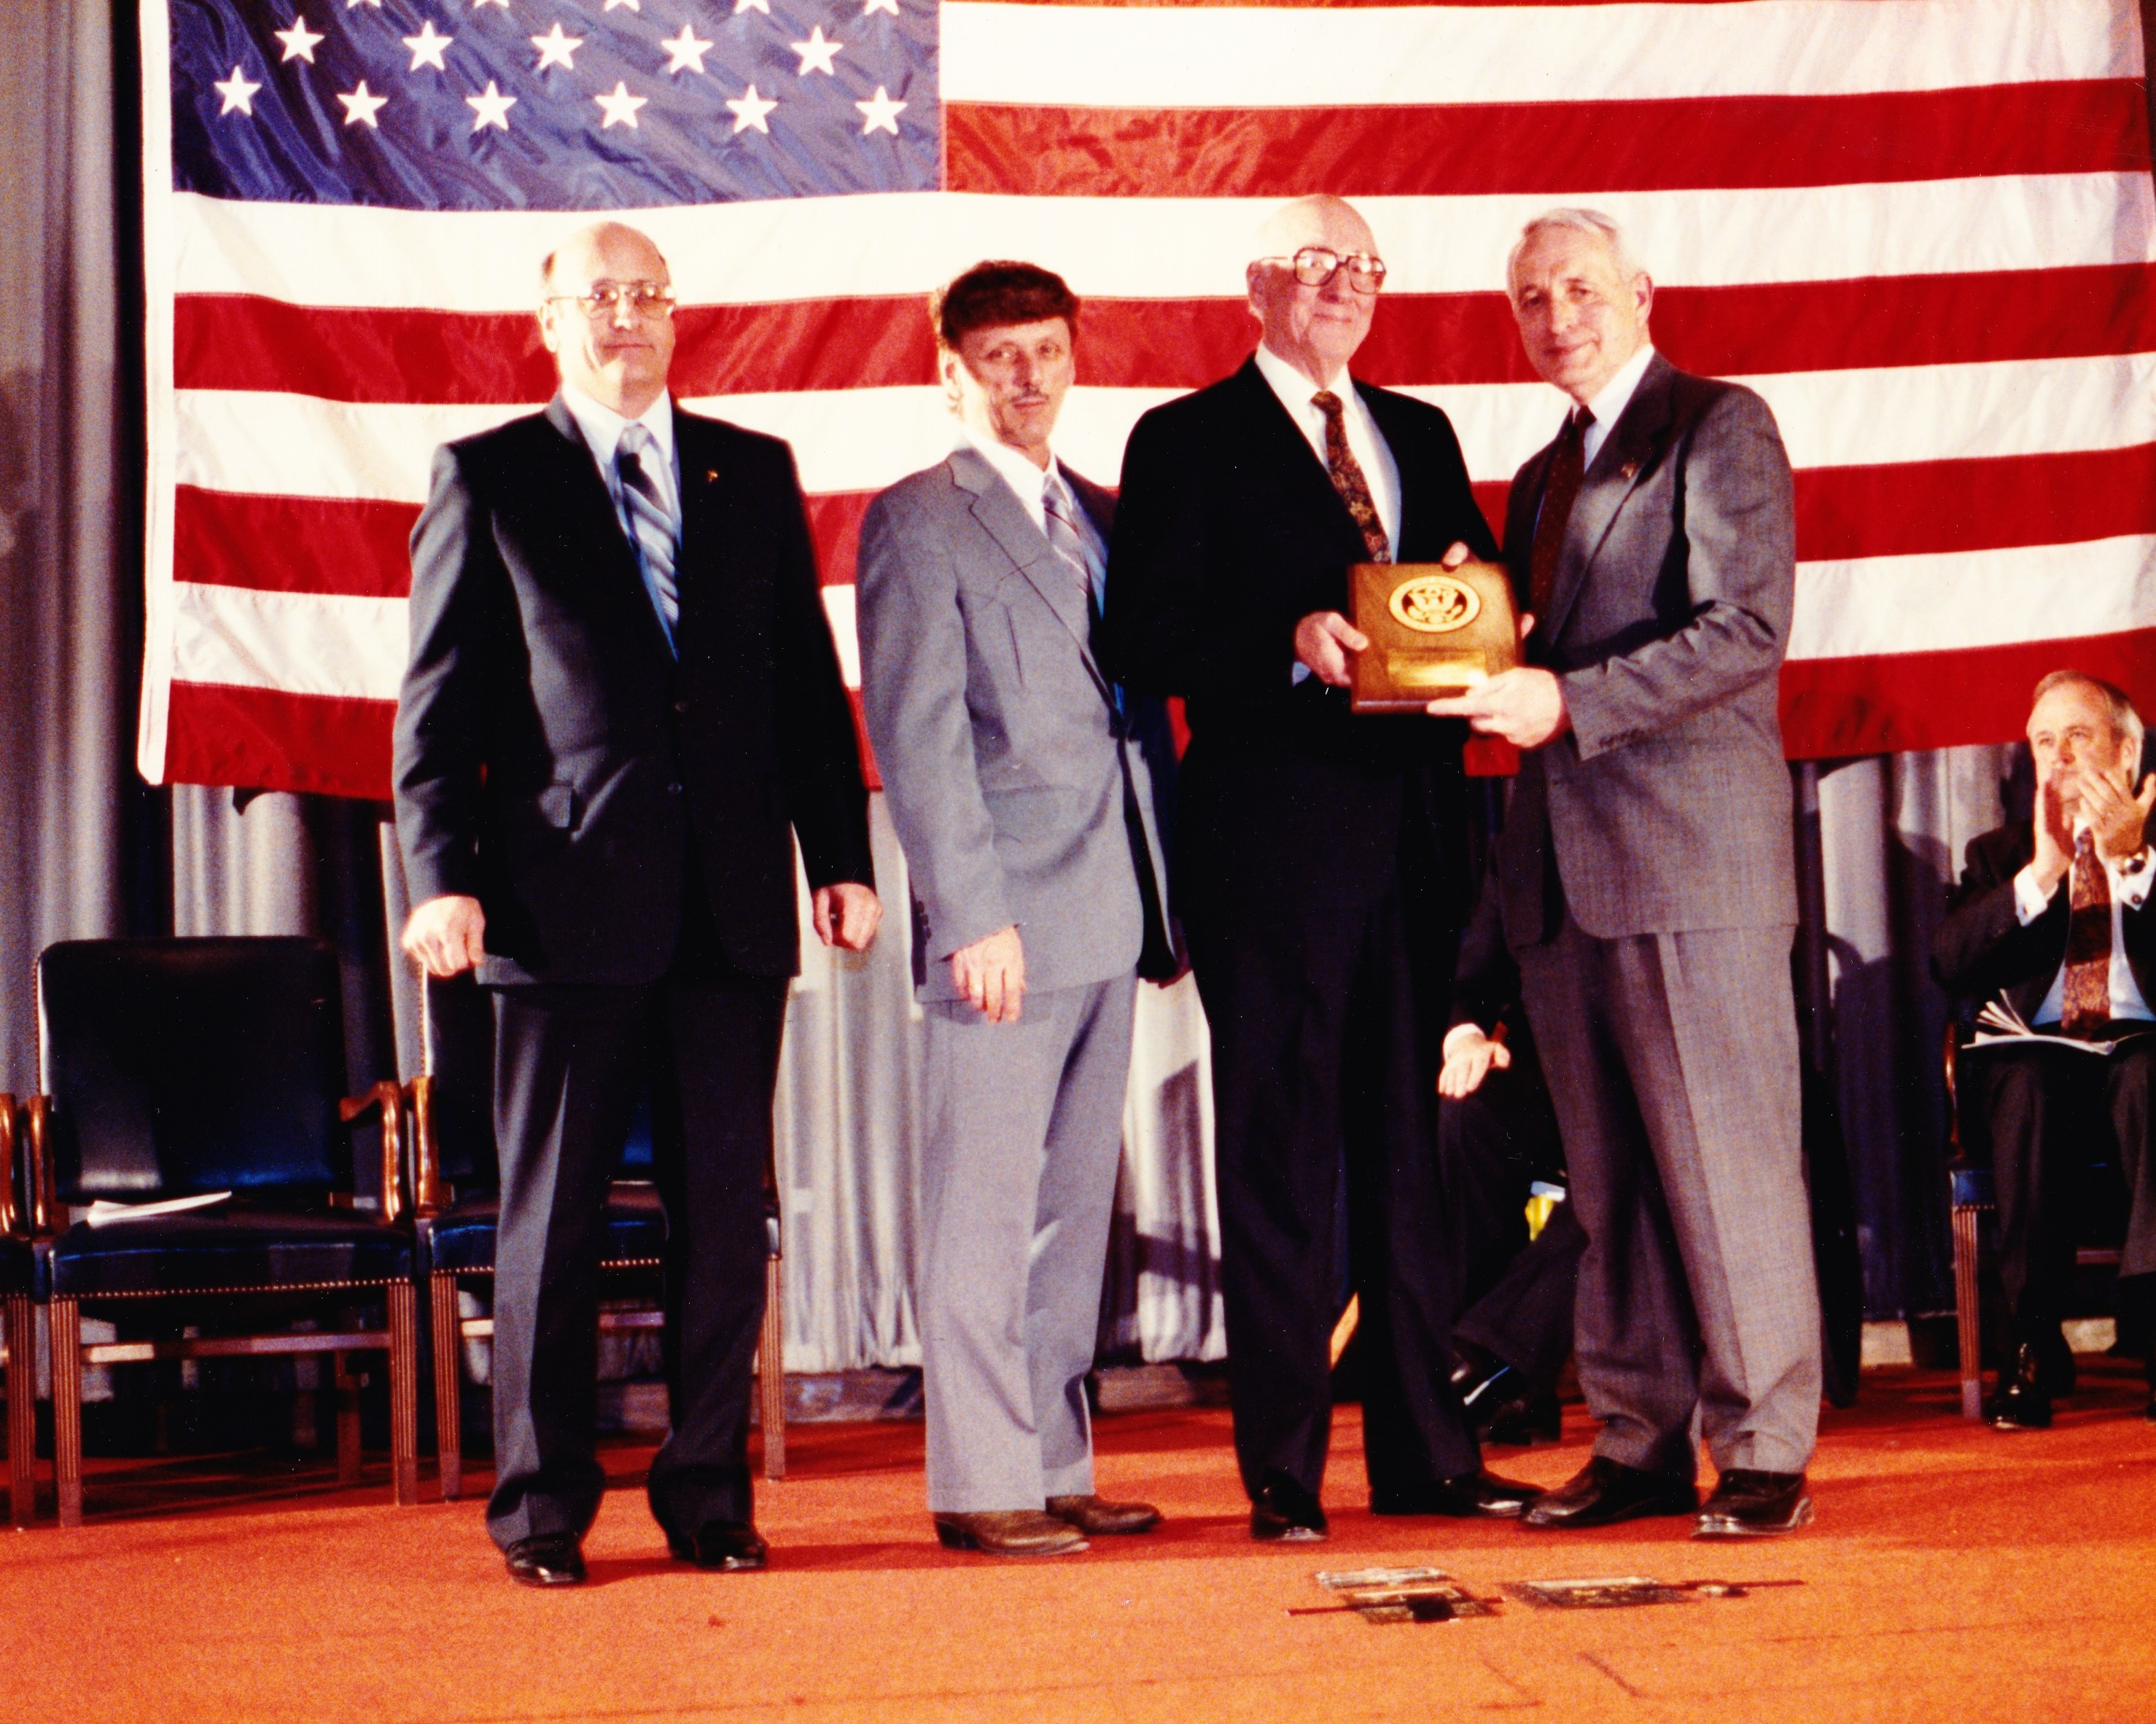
column 1456, row 1038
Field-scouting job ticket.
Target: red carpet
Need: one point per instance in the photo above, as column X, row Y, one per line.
column 1952, row 1573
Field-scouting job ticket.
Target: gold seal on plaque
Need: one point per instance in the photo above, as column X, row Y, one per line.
column 1435, row 604
column 1433, row 631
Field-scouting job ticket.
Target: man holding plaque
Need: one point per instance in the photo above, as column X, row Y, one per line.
column 1646, row 885
column 1318, row 867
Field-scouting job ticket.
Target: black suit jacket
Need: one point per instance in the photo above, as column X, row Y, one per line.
column 1982, row 949
column 553, row 758
column 1229, row 532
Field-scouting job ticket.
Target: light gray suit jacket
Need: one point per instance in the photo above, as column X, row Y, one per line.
column 1668, row 802
column 1005, row 763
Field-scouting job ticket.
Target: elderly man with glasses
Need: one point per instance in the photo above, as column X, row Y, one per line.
column 623, row 707
column 1319, row 868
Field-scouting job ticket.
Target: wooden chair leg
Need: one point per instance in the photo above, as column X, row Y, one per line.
column 1968, row 1319
column 403, row 1393
column 771, row 1370
column 65, row 1316
column 447, row 1336
column 346, row 1387
column 22, row 1410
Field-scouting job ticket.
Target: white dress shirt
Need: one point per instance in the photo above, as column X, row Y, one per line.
column 1610, row 401
column 2129, row 890
column 1365, row 442
column 1031, row 483
column 602, row 426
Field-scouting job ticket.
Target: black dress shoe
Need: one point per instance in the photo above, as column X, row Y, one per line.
column 725, row 1546
column 1499, row 1402
column 2021, row 1403
column 547, row 1559
column 1478, row 1496
column 1605, row 1491
column 1094, row 1516
column 1748, row 1504
column 1286, row 1512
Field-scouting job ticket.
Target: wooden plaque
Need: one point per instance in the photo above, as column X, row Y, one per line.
column 1434, row 631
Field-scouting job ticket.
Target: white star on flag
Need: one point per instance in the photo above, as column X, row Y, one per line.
column 557, row 49
column 761, row 6
column 816, row 54
column 620, row 107
column 360, row 107
column 880, row 113
column 491, row 107
column 870, row 6
column 750, row 110
column 299, row 41
column 237, row 93
column 428, row 48
column 685, row 52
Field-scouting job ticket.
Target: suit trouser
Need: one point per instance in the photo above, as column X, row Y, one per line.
column 2046, row 1113
column 1673, row 1064
column 1492, row 1145
column 570, row 1063
column 1318, row 1067
column 1023, row 1135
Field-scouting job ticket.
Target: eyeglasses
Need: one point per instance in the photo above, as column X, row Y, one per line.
column 1315, row 265
column 645, row 299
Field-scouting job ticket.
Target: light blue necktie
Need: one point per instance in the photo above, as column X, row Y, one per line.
column 1071, row 540
column 650, row 525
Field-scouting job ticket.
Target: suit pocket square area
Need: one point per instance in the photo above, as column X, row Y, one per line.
column 560, row 807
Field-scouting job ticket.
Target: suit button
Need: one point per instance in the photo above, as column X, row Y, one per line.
column 680, row 706
column 674, row 789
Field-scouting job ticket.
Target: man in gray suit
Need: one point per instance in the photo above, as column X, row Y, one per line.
column 1646, row 881
column 1025, row 805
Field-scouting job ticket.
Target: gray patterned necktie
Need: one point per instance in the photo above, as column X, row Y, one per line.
column 650, row 523
column 1065, row 534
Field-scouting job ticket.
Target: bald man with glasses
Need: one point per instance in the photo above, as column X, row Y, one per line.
column 622, row 708
column 1319, row 867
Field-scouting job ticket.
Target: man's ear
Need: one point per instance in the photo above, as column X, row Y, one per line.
column 947, row 368
column 549, row 329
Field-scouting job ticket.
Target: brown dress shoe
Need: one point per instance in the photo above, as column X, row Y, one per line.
column 1094, row 1516
column 1008, row 1532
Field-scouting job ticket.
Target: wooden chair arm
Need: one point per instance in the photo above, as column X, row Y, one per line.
column 389, row 1100
column 43, row 1194
column 11, row 1218
column 428, row 1196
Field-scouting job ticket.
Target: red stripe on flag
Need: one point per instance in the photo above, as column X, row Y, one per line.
column 240, row 343
column 1499, row 149
column 279, row 544
column 835, row 522
column 264, row 739
column 1837, row 707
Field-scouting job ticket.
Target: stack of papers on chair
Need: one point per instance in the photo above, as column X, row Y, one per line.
column 104, row 1213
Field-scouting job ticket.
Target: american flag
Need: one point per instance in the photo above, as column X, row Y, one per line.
column 1923, row 230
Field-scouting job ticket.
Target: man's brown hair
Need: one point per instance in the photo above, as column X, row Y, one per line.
column 1000, row 291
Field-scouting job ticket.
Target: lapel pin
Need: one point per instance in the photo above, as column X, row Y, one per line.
column 710, row 476
column 1629, row 471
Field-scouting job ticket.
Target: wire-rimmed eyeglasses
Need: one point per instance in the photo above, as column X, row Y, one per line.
column 1315, row 265
column 645, row 299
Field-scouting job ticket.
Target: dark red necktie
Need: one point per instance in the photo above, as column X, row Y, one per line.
column 1567, row 465
column 2086, row 1008
column 1348, row 477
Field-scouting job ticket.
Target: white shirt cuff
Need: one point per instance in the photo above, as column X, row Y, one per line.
column 1456, row 1037
column 2030, row 901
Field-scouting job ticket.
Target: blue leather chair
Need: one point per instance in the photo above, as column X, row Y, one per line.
column 18, row 1332
column 173, row 1069
column 456, row 1178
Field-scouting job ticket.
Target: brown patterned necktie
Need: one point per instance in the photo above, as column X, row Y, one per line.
column 1348, row 477
column 1568, row 466
column 2087, row 1006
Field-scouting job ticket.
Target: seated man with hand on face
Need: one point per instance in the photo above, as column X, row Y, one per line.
column 2053, row 914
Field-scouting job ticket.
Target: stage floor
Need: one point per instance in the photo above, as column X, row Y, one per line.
column 1953, row 1573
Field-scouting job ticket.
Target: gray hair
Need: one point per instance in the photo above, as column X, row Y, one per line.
column 1579, row 221
column 2124, row 719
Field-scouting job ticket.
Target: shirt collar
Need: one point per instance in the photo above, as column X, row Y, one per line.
column 601, row 426
column 1017, row 469
column 1615, row 396
column 1293, row 388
